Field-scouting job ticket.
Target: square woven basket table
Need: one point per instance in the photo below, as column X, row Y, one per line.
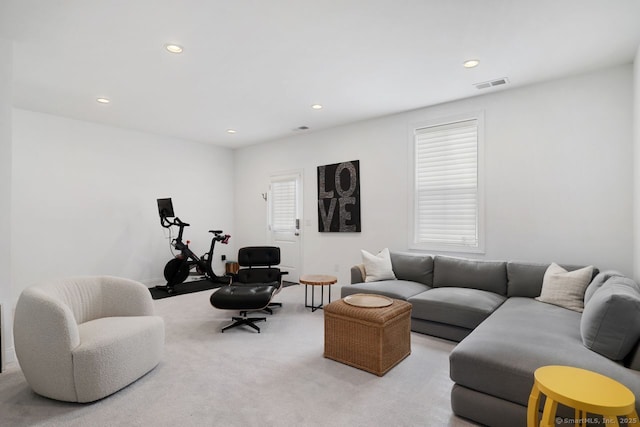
column 372, row 339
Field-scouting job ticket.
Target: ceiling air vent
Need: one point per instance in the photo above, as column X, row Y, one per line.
column 492, row 83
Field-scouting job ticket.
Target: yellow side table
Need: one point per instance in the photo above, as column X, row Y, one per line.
column 585, row 391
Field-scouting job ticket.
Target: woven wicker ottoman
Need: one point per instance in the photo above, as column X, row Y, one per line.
column 372, row 339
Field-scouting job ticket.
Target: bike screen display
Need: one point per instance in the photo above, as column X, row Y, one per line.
column 165, row 208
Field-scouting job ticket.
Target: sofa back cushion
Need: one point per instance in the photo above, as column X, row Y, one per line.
column 610, row 323
column 525, row 278
column 413, row 267
column 466, row 273
column 597, row 282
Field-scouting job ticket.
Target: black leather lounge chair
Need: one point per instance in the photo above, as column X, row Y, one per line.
column 253, row 287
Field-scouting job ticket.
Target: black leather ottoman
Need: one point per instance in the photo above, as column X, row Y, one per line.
column 244, row 299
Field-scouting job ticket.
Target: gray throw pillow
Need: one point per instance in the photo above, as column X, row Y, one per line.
column 598, row 281
column 627, row 282
column 565, row 288
column 610, row 323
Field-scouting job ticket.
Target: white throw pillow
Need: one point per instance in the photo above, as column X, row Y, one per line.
column 377, row 267
column 565, row 288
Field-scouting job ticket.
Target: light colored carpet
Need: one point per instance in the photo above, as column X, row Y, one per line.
column 241, row 378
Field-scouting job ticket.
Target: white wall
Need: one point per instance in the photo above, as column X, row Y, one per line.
column 558, row 176
column 84, row 198
column 636, row 162
column 5, row 189
column 83, row 201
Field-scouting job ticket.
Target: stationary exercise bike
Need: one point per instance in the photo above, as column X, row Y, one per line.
column 177, row 270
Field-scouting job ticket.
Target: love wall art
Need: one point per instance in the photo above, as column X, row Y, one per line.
column 339, row 197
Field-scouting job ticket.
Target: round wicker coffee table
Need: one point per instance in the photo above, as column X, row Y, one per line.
column 314, row 280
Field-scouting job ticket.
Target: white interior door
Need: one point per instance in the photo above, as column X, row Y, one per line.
column 285, row 195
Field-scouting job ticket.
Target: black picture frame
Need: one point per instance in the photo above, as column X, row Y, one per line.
column 339, row 197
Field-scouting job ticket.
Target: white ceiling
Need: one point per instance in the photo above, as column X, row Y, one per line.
column 257, row 66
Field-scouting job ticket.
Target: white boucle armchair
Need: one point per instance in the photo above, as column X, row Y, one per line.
column 81, row 339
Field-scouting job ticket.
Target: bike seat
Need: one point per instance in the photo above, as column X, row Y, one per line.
column 215, row 231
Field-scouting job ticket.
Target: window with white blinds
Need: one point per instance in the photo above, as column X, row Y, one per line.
column 283, row 205
column 447, row 199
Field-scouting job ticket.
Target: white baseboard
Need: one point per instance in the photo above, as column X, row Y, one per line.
column 8, row 357
column 6, row 345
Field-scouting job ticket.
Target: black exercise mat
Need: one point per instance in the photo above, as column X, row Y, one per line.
column 286, row 283
column 195, row 286
column 185, row 288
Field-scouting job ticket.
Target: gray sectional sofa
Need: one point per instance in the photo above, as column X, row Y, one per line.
column 505, row 334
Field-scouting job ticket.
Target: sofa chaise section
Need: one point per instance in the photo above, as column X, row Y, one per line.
column 452, row 313
column 493, row 367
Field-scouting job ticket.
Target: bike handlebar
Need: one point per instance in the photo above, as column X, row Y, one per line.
column 180, row 223
column 219, row 237
column 164, row 221
column 222, row 238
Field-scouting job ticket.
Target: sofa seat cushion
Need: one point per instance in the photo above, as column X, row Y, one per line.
column 500, row 356
column 462, row 307
column 109, row 357
column 399, row 289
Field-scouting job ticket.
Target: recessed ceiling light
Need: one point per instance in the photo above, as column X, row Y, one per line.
column 103, row 100
column 316, row 107
column 173, row 48
column 471, row 63
column 231, row 131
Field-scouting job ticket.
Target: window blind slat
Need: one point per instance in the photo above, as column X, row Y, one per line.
column 446, row 184
column 283, row 206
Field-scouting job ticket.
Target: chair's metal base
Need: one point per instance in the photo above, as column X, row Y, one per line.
column 244, row 320
column 269, row 308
